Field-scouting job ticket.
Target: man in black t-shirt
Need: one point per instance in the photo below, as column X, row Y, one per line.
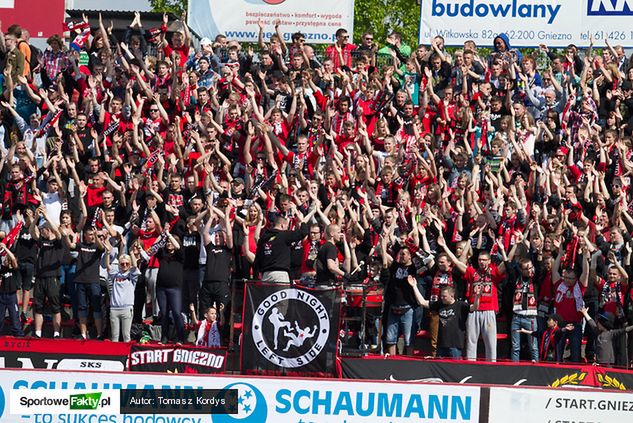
column 47, row 272
column 274, row 250
column 193, row 270
column 400, row 300
column 452, row 315
column 87, row 285
column 217, row 237
column 327, row 263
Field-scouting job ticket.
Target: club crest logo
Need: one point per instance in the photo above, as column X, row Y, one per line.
column 290, row 343
column 251, row 404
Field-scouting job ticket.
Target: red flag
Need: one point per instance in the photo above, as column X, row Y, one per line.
column 9, row 240
column 151, row 161
column 74, row 26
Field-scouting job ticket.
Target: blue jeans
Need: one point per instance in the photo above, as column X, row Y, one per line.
column 26, row 275
column 399, row 324
column 67, row 279
column 418, row 313
column 89, row 292
column 575, row 343
column 523, row 322
column 449, row 352
column 170, row 299
column 9, row 301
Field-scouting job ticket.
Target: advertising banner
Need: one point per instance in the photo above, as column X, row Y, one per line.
column 290, row 331
column 465, row 372
column 260, row 400
column 238, row 19
column 528, row 23
column 60, row 354
column 524, row 405
column 179, row 359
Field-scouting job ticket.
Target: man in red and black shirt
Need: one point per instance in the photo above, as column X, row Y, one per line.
column 568, row 300
column 487, row 276
column 341, row 52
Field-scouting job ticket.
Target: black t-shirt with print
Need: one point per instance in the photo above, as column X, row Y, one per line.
column 8, row 283
column 452, row 327
column 49, row 259
column 88, row 259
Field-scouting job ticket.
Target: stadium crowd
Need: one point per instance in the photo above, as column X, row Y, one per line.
column 141, row 177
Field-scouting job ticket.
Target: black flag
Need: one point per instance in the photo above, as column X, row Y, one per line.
column 289, row 330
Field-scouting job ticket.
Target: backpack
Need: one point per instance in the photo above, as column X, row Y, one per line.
column 36, row 55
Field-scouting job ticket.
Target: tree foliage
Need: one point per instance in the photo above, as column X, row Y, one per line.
column 176, row 7
column 383, row 16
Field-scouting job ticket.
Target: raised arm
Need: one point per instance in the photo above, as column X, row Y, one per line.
column 418, row 295
column 456, row 262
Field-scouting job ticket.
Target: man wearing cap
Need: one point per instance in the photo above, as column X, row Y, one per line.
column 206, row 51
column 238, row 188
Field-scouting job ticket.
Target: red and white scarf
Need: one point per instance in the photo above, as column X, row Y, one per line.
column 208, row 336
column 562, row 290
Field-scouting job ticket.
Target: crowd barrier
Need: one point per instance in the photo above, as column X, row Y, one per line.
column 130, row 357
column 69, row 354
column 486, row 373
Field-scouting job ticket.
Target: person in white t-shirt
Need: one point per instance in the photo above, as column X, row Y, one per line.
column 54, row 198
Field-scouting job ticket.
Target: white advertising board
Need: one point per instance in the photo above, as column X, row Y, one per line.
column 261, row 400
column 528, row 23
column 524, row 405
column 237, row 19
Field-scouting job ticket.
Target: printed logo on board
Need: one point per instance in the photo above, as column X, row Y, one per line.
column 252, row 407
column 287, row 343
column 609, row 7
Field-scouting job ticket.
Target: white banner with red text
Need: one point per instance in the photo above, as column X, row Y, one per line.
column 238, row 19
